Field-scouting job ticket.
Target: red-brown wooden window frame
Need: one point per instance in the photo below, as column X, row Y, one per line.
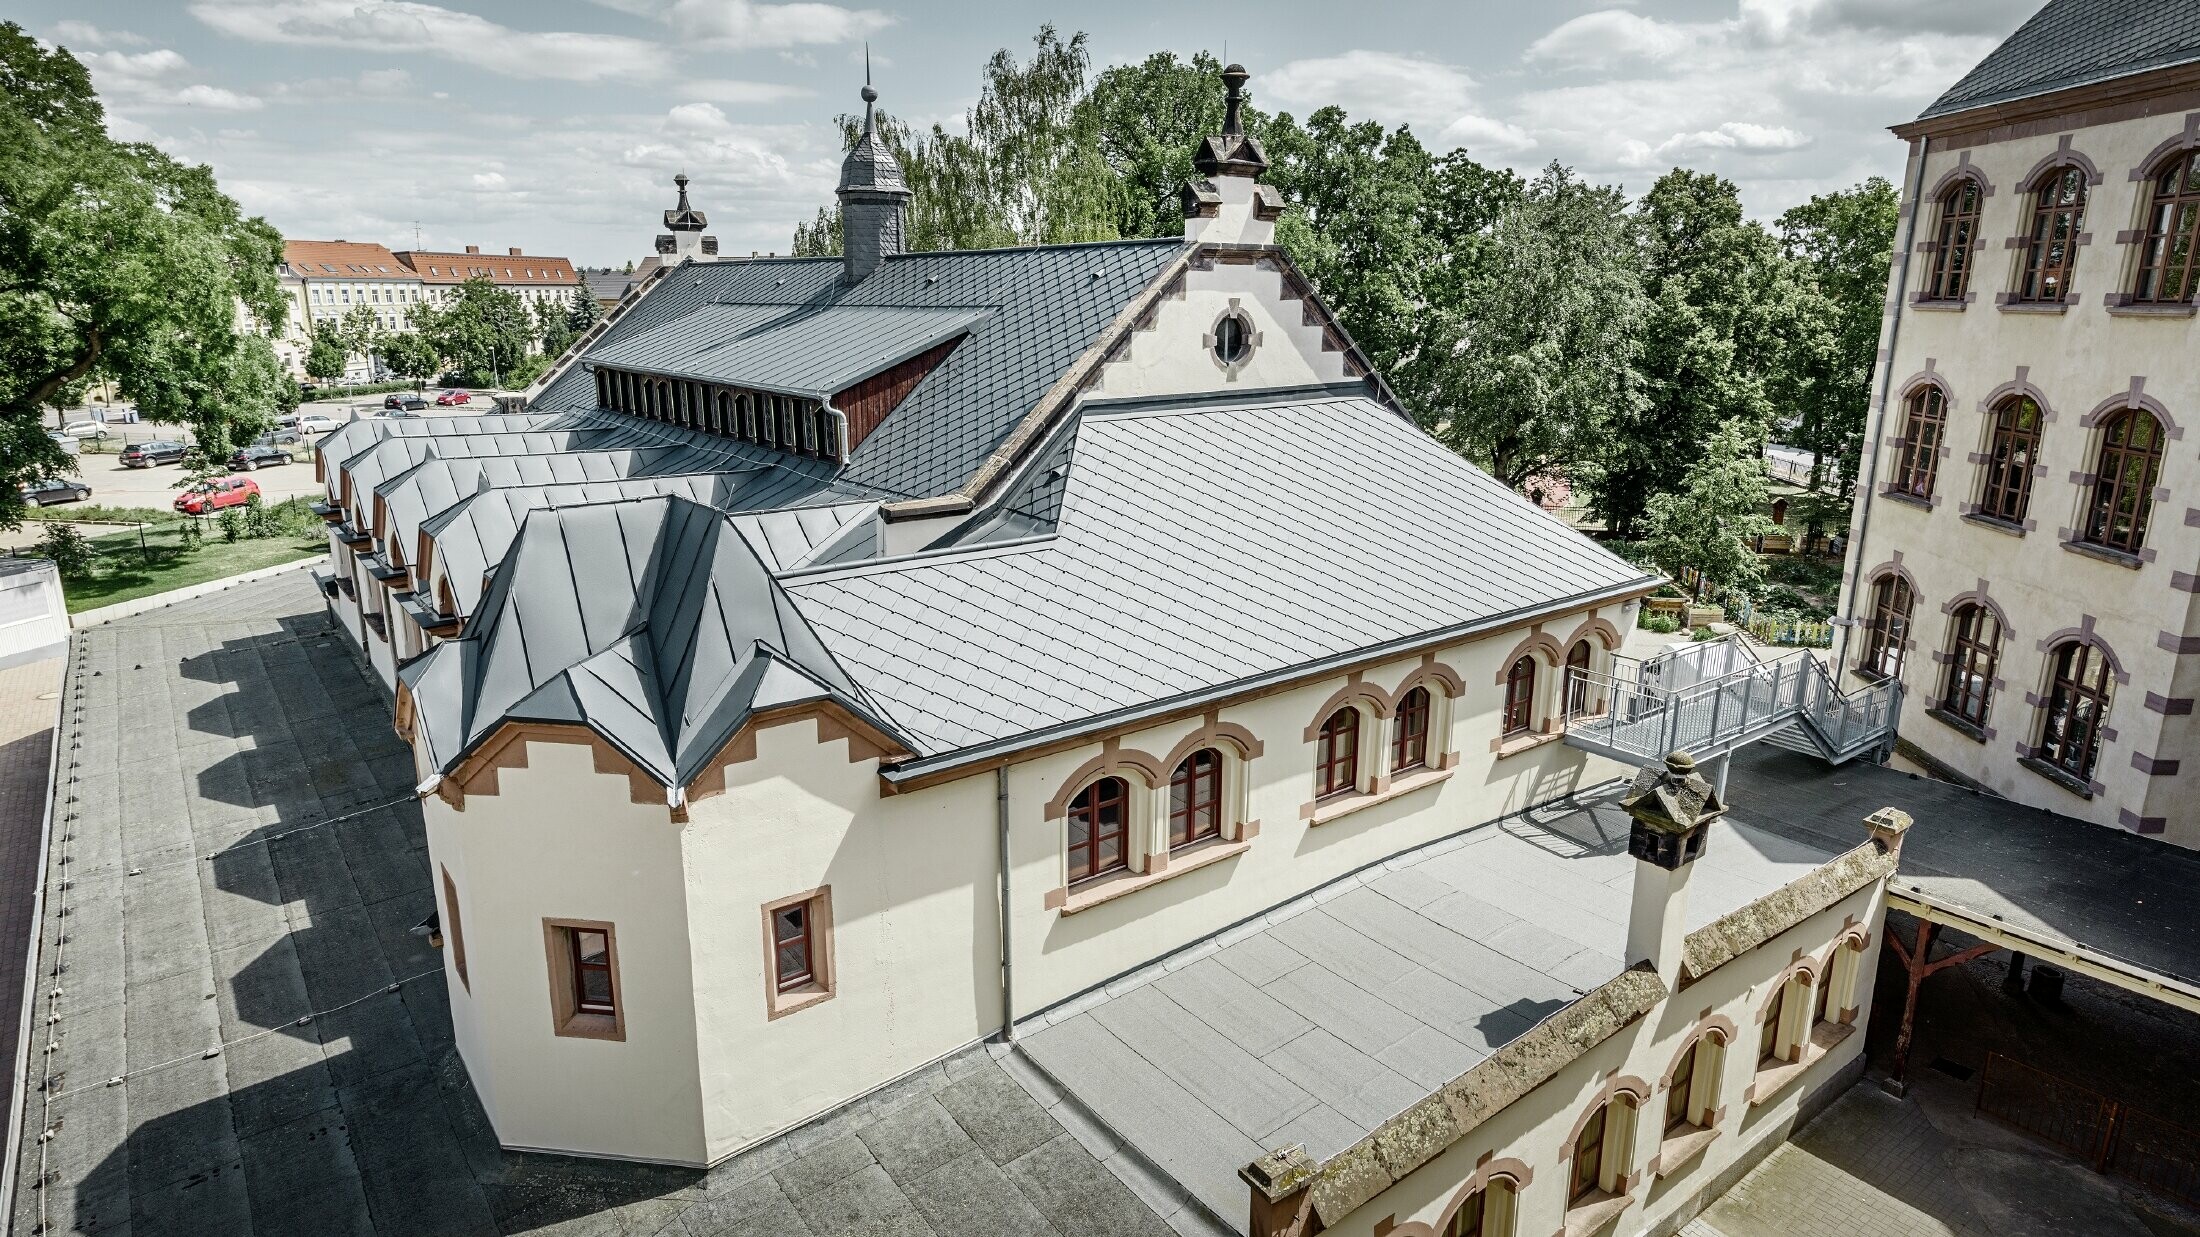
column 582, row 968
column 1467, row 1221
column 1099, row 814
column 1195, row 798
column 1889, row 630
column 1684, row 1079
column 1409, row 731
column 1924, row 424
column 2011, row 449
column 1972, row 659
column 2169, row 253
column 1519, row 696
column 794, row 962
column 2123, row 486
column 2051, row 249
column 1950, row 275
column 1337, row 754
column 2078, row 697
column 1588, row 1162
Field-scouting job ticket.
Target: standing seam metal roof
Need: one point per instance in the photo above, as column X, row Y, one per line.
column 812, row 352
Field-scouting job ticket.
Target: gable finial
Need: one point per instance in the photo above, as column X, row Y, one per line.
column 870, row 93
column 1233, row 80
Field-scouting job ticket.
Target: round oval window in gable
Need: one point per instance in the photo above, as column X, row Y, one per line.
column 1233, row 339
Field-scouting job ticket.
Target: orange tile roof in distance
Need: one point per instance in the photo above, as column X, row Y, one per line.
column 342, row 260
column 526, row 270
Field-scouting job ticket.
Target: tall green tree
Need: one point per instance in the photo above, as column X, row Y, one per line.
column 1706, row 524
column 550, row 327
column 115, row 256
column 326, row 351
column 1148, row 118
column 1528, row 369
column 1843, row 243
column 361, row 329
column 1722, row 304
column 408, row 354
column 582, row 311
column 484, row 332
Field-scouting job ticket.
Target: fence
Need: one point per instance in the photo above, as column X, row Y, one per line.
column 2136, row 1145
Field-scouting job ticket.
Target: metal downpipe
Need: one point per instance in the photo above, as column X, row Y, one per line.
column 1008, row 949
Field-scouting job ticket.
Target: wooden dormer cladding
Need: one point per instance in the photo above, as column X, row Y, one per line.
column 868, row 402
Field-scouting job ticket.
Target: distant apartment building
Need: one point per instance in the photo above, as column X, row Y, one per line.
column 2023, row 557
column 532, row 279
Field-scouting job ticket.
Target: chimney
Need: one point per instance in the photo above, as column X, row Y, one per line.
column 1671, row 806
column 514, row 252
column 1226, row 204
column 473, row 249
column 872, row 197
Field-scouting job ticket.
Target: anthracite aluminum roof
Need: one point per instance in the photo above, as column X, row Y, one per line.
column 2075, row 43
column 1048, row 305
column 802, row 350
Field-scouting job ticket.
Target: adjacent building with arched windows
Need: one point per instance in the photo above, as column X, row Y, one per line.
column 2026, row 556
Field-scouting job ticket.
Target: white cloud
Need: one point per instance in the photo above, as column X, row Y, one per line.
column 156, row 80
column 1435, row 98
column 370, row 84
column 741, row 24
column 75, row 34
column 723, row 90
column 489, row 180
column 1612, row 37
column 404, row 27
column 1738, row 135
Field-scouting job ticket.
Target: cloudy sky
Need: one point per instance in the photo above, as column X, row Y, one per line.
column 556, row 125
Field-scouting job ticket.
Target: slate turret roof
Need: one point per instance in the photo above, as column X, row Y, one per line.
column 2076, row 43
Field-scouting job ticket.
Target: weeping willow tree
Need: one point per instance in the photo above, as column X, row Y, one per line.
column 1028, row 172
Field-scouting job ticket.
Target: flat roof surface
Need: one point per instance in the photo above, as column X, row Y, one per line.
column 2130, row 897
column 245, row 851
column 1323, row 1018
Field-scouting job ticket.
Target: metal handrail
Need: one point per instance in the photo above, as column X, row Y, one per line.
column 1662, row 705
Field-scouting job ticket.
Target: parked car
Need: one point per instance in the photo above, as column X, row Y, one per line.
column 315, row 423
column 259, row 454
column 405, row 403
column 208, row 496
column 86, row 429
column 453, row 399
column 281, row 434
column 147, row 454
column 395, row 401
column 307, row 390
column 55, row 490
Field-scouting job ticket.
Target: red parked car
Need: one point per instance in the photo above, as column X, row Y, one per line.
column 208, row 496
column 451, row 399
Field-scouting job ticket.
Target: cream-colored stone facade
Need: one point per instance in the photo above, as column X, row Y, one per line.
column 2085, row 361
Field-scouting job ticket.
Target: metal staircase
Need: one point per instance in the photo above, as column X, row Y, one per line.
column 1714, row 696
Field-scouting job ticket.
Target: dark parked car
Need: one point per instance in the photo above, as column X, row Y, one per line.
column 282, row 434
column 55, row 490
column 147, row 454
column 260, row 454
column 404, row 403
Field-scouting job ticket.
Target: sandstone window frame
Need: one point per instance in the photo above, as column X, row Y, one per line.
column 1410, row 734
column 1974, row 657
column 568, row 1020
column 1960, row 208
column 1090, row 810
column 1924, row 430
column 2049, row 257
column 2163, row 274
column 822, row 984
column 2127, row 468
column 1887, row 632
column 1518, row 715
column 2081, row 688
column 2014, row 433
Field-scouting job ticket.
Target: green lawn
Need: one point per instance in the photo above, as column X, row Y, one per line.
column 125, row 571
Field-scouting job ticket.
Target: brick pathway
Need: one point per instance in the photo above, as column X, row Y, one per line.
column 29, row 701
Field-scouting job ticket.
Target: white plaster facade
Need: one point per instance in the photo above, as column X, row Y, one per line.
column 2083, row 360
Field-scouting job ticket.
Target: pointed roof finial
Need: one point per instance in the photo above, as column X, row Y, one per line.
column 870, row 93
column 869, row 164
column 1233, row 152
column 1234, row 79
column 684, row 218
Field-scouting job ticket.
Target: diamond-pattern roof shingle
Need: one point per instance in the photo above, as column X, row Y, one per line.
column 1048, row 305
column 2074, row 43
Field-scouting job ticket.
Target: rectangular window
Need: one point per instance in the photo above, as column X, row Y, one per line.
column 798, row 952
column 585, row 997
column 454, row 931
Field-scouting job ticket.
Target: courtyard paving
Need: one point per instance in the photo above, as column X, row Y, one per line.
column 248, row 1038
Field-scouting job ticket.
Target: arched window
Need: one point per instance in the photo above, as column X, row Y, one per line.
column 1337, row 757
column 724, row 422
column 2169, row 257
column 603, row 389
column 2013, row 447
column 1099, row 829
column 2077, row 703
column 1768, row 1037
column 1589, row 1154
column 1467, row 1221
column 1520, row 696
column 1409, row 732
column 2123, row 486
column 1889, row 629
column 1195, row 798
column 2058, row 215
column 1693, row 1072
column 1924, row 424
column 1577, row 678
column 1971, row 659
column 1951, row 271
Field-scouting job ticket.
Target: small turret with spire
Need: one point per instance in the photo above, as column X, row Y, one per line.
column 1226, row 204
column 872, row 195
column 685, row 225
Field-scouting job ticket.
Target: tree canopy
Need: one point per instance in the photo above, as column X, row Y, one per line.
column 116, row 257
